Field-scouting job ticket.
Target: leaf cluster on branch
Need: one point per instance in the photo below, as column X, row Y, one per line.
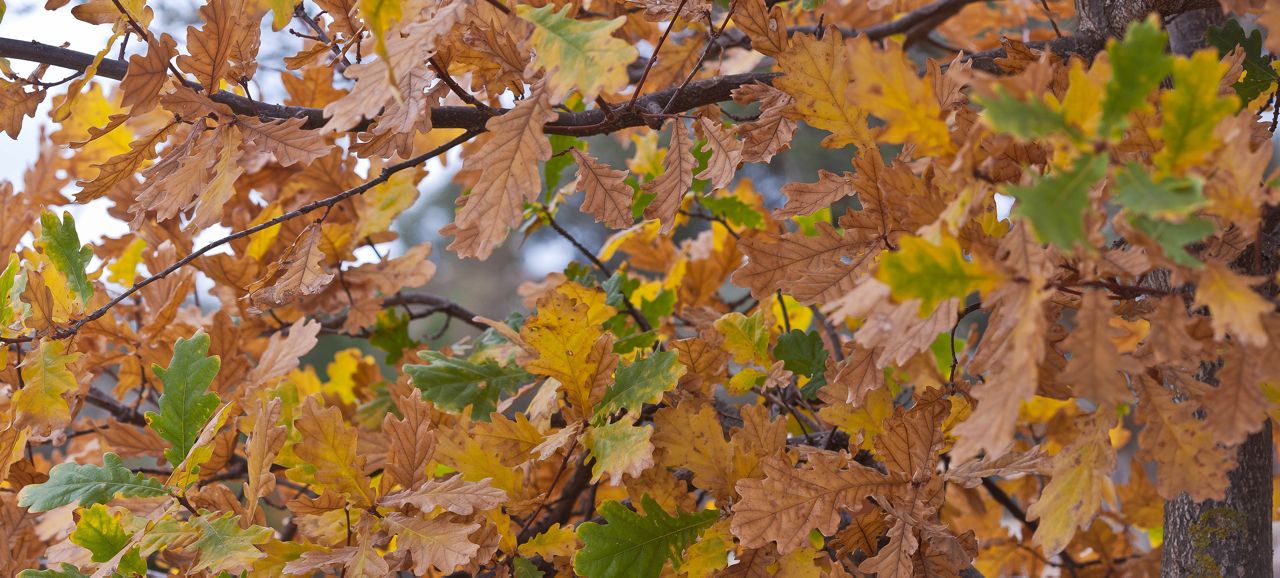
column 860, row 371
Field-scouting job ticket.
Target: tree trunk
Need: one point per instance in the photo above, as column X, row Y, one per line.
column 1231, row 537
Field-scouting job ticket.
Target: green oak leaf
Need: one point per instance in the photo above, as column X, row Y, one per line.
column 1174, row 237
column 66, row 571
column 1138, row 65
column 1056, row 204
column 61, row 243
column 631, row 545
column 187, row 404
column 454, row 383
column 1025, row 119
column 88, row 484
column 101, row 533
column 802, row 353
column 526, row 569
column 734, row 210
column 1258, row 73
column 1170, row 197
column 641, row 382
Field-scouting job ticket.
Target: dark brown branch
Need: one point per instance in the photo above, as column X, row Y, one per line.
column 122, row 413
column 587, row 123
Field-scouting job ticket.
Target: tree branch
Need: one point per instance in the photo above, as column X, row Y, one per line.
column 592, row 122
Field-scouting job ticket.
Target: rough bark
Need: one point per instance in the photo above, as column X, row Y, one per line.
column 1231, row 537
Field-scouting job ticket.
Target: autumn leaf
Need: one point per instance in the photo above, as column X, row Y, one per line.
column 1079, row 485
column 1235, row 307
column 435, row 543
column 817, row 74
column 508, row 179
column 578, row 54
column 328, row 446
column 47, row 378
column 676, row 178
column 608, row 197
column 451, row 495
column 298, row 274
column 933, row 272
column 790, row 502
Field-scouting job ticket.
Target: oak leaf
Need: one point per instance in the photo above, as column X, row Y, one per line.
column 508, row 177
column 676, row 178
column 298, row 274
column 619, row 448
column 578, row 54
column 608, row 196
column 817, row 74
column 790, row 502
column 436, row 543
column 453, row 495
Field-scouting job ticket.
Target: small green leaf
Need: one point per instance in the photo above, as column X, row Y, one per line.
column 641, row 382
column 1056, row 204
column 88, row 484
column 933, row 273
column 67, row 571
column 631, row 545
column 554, row 168
column 391, row 334
column 61, row 243
column 734, row 210
column 1170, row 197
column 453, row 383
column 1138, row 65
column 526, row 569
column 1258, row 73
column 222, row 543
column 1174, row 237
column 1025, row 119
column 187, row 404
column 802, row 353
column 99, row 532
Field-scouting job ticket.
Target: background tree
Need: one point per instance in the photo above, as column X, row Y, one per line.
column 765, row 361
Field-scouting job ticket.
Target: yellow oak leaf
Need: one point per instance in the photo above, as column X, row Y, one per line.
column 328, row 450
column 40, row 403
column 1234, row 307
column 1191, row 111
column 1081, row 481
column 887, row 85
column 817, row 74
column 555, row 542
